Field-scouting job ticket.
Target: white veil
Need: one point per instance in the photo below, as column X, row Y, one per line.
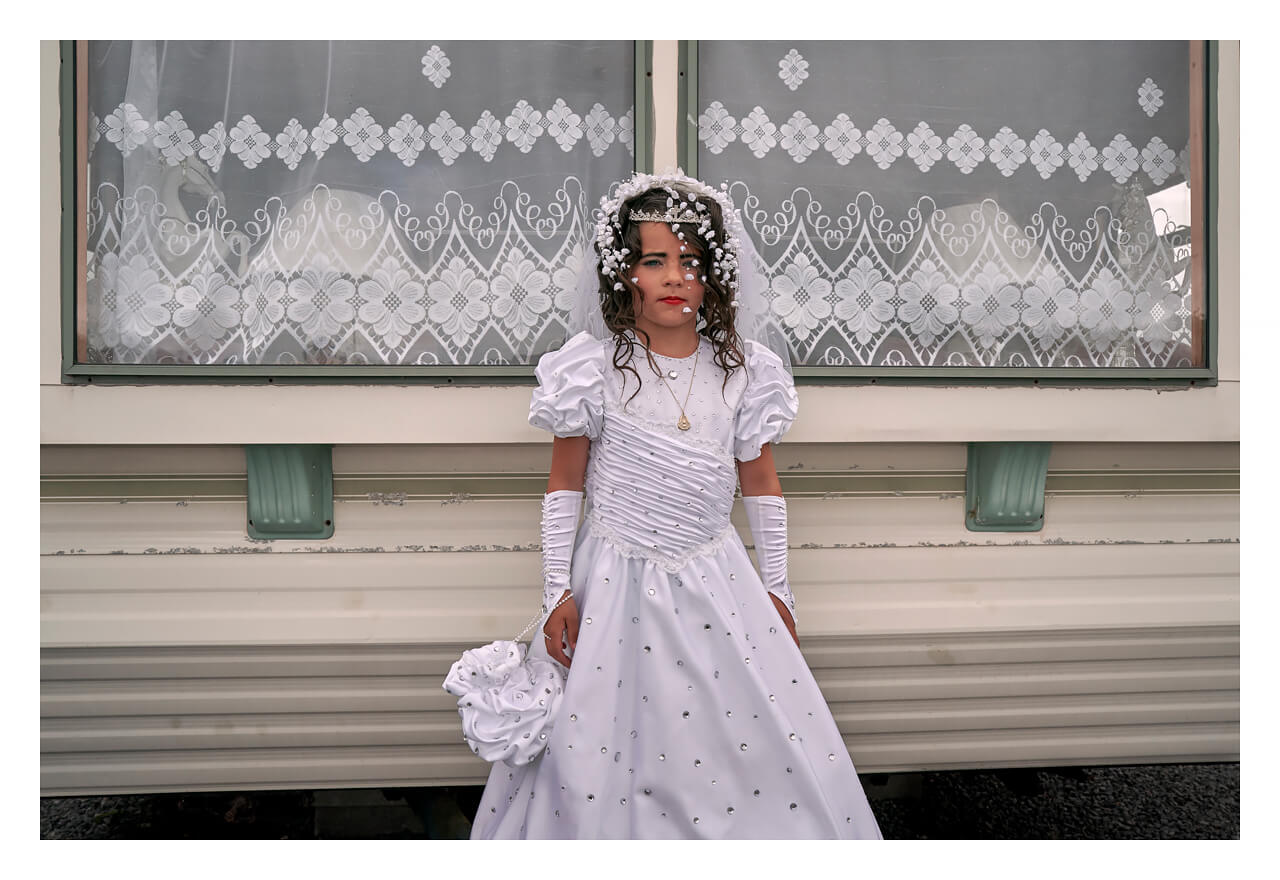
column 753, row 318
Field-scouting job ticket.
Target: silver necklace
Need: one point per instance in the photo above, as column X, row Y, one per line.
column 684, row 423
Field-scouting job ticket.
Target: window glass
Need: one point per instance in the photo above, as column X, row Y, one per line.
column 964, row 203
column 299, row 202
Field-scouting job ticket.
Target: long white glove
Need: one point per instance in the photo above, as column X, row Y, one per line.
column 560, row 511
column 767, row 515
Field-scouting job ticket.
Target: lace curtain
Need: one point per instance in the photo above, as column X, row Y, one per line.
column 345, row 202
column 962, row 203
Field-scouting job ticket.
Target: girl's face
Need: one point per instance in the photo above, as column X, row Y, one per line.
column 667, row 280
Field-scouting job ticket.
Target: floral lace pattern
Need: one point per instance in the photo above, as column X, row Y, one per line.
column 404, row 137
column 972, row 288
column 1011, row 226
column 336, row 277
column 884, row 144
column 405, row 203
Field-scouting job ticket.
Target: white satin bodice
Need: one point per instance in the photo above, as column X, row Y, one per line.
column 652, row 490
column 655, row 496
column 711, row 402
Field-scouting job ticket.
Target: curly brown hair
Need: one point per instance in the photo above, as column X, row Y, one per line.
column 715, row 315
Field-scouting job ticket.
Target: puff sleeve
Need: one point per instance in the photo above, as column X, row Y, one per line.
column 769, row 404
column 569, row 399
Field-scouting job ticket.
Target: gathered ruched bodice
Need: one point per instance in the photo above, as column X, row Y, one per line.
column 653, row 490
column 655, row 497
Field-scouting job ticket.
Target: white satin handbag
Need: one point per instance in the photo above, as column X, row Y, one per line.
column 508, row 697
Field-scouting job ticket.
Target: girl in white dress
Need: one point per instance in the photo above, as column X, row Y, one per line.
column 688, row 710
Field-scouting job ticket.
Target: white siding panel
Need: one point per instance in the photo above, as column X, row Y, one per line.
column 345, row 598
column 178, row 655
column 119, row 719
column 218, row 527
column 943, row 717
column 1140, row 744
column 229, row 718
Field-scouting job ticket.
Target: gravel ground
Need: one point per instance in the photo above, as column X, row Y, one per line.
column 1156, row 801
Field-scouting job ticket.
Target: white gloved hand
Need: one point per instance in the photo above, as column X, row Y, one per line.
column 767, row 515
column 560, row 511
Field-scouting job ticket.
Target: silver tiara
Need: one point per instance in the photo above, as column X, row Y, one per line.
column 684, row 205
column 673, row 215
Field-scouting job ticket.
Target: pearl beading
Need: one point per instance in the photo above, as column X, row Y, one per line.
column 656, row 498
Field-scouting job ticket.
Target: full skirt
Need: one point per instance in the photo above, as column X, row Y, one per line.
column 688, row 712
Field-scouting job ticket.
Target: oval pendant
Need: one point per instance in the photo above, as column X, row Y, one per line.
column 683, row 424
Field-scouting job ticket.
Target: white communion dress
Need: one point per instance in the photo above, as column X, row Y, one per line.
column 688, row 711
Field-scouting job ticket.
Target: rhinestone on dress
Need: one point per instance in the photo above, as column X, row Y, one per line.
column 573, row 717
column 743, row 746
column 662, row 757
column 831, row 757
column 673, row 374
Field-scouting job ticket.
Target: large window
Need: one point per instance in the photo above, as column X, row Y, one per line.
column 341, row 203
column 968, row 204
column 923, row 209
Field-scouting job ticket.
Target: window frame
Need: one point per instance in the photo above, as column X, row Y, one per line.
column 73, row 134
column 1204, row 205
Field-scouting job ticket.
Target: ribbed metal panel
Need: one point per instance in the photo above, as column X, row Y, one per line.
column 287, row 717
column 178, row 655
column 396, row 598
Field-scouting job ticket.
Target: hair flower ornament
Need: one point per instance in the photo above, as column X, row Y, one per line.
column 705, row 221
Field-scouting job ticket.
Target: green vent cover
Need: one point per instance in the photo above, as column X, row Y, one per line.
column 290, row 492
column 1004, row 487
